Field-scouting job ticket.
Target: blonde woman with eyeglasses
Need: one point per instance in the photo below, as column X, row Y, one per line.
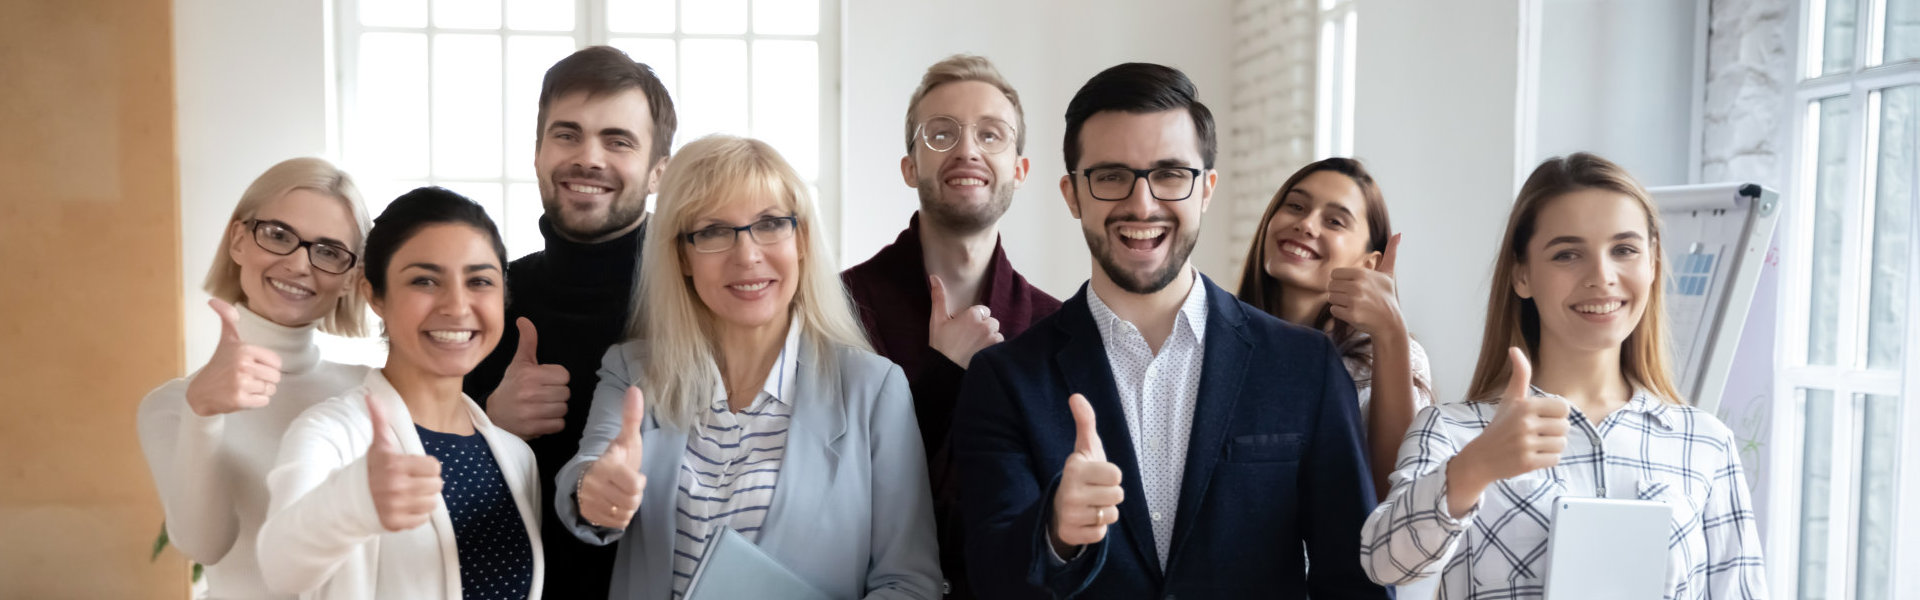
column 747, row 398
column 284, row 269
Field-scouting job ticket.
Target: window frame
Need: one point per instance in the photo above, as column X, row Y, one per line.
column 1849, row 379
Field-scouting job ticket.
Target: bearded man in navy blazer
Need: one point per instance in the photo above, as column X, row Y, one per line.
column 1156, row 437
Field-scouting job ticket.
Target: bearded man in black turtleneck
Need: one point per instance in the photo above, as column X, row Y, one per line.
column 606, row 125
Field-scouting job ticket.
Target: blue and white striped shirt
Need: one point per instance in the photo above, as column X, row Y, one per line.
column 732, row 463
column 1647, row 450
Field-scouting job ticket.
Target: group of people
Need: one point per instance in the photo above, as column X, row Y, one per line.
column 583, row 421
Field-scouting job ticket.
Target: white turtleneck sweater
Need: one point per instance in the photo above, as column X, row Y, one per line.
column 212, row 471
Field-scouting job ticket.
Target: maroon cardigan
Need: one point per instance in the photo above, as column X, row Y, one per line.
column 890, row 292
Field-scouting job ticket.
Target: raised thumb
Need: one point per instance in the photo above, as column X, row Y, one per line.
column 1086, row 435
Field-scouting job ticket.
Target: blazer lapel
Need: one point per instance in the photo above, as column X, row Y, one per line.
column 1228, row 351
column 813, row 449
column 662, row 450
column 1083, row 365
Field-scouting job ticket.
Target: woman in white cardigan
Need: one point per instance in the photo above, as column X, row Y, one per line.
column 402, row 488
column 284, row 268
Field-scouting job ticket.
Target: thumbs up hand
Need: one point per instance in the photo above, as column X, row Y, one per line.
column 959, row 336
column 405, row 487
column 239, row 376
column 1528, row 433
column 611, row 490
column 531, row 400
column 1089, row 495
column 1367, row 298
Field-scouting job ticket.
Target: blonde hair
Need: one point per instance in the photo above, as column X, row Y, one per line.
column 1515, row 321
column 966, row 67
column 677, row 327
column 348, row 317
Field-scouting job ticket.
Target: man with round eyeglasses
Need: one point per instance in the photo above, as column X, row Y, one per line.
column 944, row 288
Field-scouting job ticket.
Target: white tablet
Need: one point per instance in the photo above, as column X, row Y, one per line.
column 1605, row 549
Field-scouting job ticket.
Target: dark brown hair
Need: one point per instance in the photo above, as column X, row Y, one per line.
column 599, row 70
column 1138, row 88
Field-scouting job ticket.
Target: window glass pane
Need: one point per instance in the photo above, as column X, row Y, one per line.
column 659, row 55
column 466, row 105
column 714, row 16
column 528, row 58
column 786, row 101
column 388, row 128
column 466, row 14
column 1879, row 477
column 486, row 194
column 378, row 193
column 713, row 89
column 1816, row 479
column 790, row 17
column 1894, row 194
column 1837, row 43
column 541, row 15
column 522, row 228
column 1903, row 31
column 393, row 13
column 640, row 16
column 1830, row 203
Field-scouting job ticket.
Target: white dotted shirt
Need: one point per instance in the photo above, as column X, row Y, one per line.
column 1158, row 393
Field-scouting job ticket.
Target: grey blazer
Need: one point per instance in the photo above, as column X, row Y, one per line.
column 852, row 512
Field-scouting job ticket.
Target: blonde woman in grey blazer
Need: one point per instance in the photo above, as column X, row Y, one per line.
column 748, row 399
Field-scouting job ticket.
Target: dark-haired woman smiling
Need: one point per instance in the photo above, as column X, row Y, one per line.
column 403, row 488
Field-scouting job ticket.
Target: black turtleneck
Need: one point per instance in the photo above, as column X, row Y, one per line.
column 578, row 297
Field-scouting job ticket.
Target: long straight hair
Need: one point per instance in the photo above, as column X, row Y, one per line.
column 348, row 317
column 705, row 176
column 1515, row 321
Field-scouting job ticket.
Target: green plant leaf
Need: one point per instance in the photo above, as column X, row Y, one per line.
column 159, row 543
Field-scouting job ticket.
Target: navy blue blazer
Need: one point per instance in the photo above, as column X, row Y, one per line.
column 1275, row 471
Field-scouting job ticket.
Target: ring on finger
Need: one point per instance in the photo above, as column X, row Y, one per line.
column 1099, row 516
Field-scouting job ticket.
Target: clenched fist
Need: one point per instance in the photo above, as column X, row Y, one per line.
column 959, row 336
column 405, row 487
column 612, row 487
column 531, row 400
column 239, row 376
column 1089, row 496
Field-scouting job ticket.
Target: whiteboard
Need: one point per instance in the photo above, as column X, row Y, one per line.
column 1715, row 239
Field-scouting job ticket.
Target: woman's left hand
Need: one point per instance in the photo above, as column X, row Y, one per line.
column 1366, row 298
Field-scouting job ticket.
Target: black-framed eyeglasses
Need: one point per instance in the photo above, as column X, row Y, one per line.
column 721, row 238
column 1164, row 183
column 941, row 134
column 277, row 238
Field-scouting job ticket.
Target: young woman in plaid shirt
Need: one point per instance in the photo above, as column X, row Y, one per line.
column 1578, row 291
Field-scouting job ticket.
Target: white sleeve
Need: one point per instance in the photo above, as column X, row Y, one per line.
column 1412, row 533
column 182, row 454
column 320, row 508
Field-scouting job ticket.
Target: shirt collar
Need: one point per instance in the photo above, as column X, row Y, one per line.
column 1642, row 402
column 1193, row 311
column 780, row 379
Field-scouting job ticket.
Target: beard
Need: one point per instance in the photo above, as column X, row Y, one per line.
column 627, row 207
column 960, row 219
column 1153, row 279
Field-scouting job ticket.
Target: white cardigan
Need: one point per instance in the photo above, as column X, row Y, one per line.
column 211, row 472
column 322, row 537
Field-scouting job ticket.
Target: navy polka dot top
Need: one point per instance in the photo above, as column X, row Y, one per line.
column 496, row 559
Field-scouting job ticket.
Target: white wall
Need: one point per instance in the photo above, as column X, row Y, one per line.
column 250, row 79
column 1435, row 119
column 1047, row 50
column 1617, row 78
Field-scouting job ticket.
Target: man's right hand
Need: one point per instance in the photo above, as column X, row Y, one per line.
column 958, row 337
column 1528, row 433
column 1089, row 495
column 531, row 400
column 612, row 487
